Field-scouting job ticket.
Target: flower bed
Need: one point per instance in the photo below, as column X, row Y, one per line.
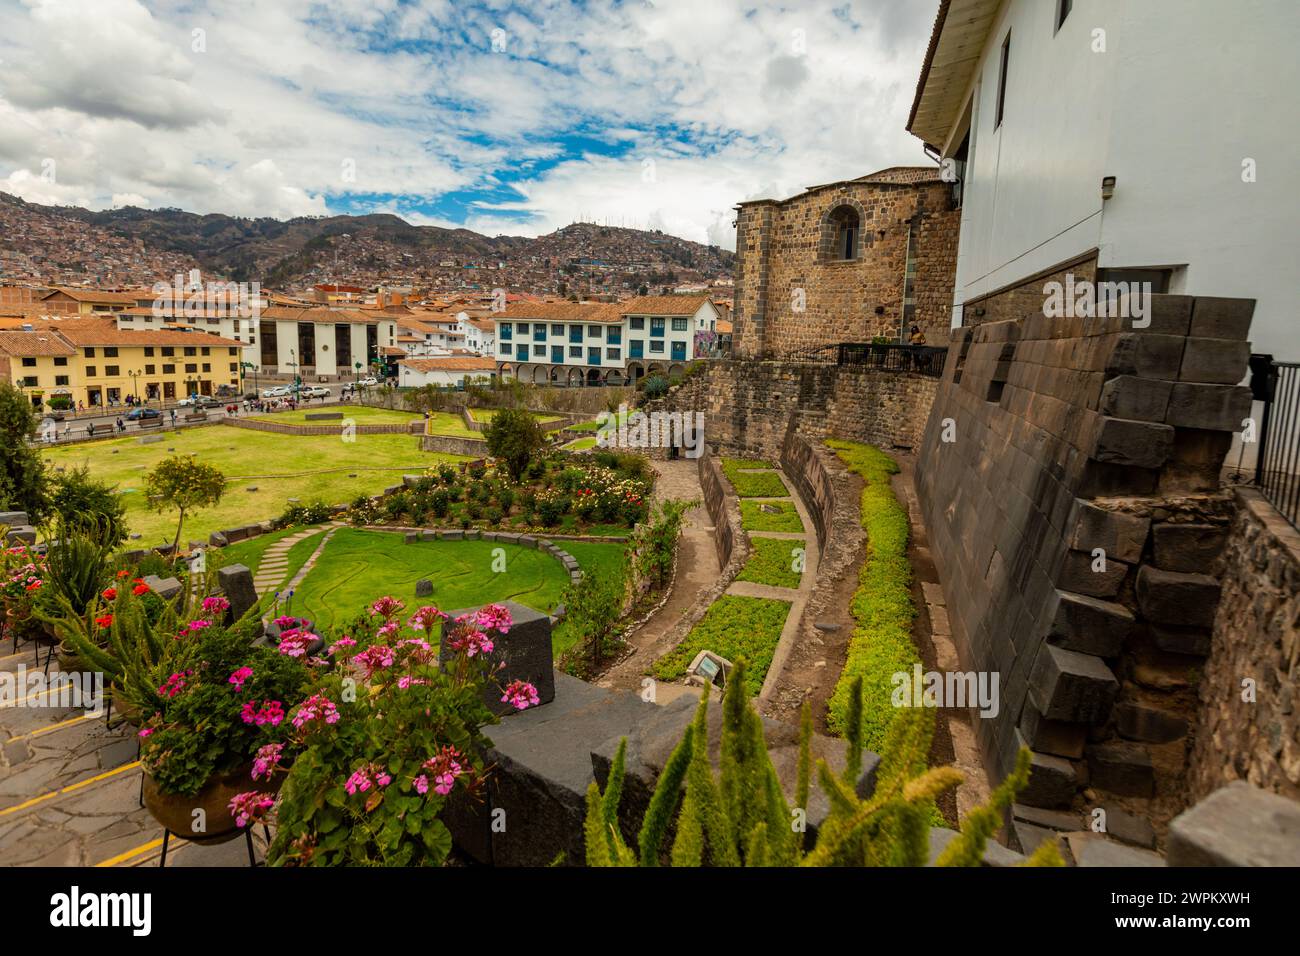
column 754, row 518
column 772, row 562
column 735, row 627
column 881, row 645
column 753, row 484
column 602, row 493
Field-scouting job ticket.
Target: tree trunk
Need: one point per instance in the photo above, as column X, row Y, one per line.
column 177, row 543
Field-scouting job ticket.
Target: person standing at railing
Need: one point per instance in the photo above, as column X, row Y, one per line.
column 917, row 337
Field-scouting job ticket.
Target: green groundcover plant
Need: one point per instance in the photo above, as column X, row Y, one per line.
column 881, row 644
column 740, row 817
column 734, row 626
column 773, row 562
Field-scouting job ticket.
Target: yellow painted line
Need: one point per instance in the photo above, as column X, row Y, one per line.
column 49, row 690
column 53, row 727
column 70, row 788
column 137, row 851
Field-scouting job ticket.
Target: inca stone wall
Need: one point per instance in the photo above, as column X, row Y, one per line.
column 793, row 289
column 1249, row 725
column 749, row 405
column 1069, row 478
column 1025, row 299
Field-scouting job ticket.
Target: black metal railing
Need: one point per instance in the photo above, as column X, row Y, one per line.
column 1277, row 466
column 887, row 356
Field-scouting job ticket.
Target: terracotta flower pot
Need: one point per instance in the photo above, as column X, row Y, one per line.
column 176, row 812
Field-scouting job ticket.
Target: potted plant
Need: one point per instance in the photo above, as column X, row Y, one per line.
column 22, row 577
column 217, row 706
column 385, row 738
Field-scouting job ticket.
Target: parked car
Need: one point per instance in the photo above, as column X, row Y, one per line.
column 140, row 414
column 370, row 382
column 316, row 391
column 277, row 391
column 200, row 401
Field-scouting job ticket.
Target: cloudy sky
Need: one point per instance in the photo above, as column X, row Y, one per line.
column 502, row 117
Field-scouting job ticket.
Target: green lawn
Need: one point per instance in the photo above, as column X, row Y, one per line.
column 733, row 627
column 580, row 444
column 359, row 566
column 306, row 467
column 249, row 553
column 449, row 424
column 753, row 484
column 754, row 518
column 485, row 415
column 772, row 563
column 361, row 414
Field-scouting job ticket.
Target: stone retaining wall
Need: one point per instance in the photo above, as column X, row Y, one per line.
column 750, row 405
column 807, row 466
column 715, row 502
column 1252, row 731
column 451, row 445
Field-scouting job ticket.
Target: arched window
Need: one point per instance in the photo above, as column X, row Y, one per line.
column 846, row 231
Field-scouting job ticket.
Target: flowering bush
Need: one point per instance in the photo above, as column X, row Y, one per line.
column 221, row 705
column 386, row 737
column 22, row 579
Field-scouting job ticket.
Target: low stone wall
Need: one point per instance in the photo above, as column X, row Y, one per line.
column 1252, row 732
column 715, row 502
column 414, row 427
column 452, row 445
column 805, row 466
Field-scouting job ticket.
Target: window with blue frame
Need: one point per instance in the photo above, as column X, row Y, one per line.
column 506, row 330
column 521, row 353
column 679, row 325
column 539, row 332
column 637, row 323
column 614, row 336
column 557, row 354
column 679, row 351
column 593, row 356
column 557, row 330
column 575, row 333
column 656, row 326
column 637, row 348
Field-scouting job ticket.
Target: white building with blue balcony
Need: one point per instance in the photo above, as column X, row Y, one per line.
column 571, row 343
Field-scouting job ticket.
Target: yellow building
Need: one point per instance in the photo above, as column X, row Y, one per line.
column 95, row 363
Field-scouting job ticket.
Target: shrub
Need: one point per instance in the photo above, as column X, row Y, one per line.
column 515, row 439
column 22, row 472
column 446, row 474
column 655, row 386
column 440, row 503
column 314, row 512
column 94, row 505
column 592, row 609
column 397, row 505
column 881, row 645
column 506, row 498
column 185, row 484
column 495, row 515
column 654, row 543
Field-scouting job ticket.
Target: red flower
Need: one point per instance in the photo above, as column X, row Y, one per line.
column 140, row 589
column 122, row 574
column 110, row 594
column 104, row 621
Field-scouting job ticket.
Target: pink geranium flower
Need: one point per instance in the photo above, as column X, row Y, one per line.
column 521, row 695
column 240, row 676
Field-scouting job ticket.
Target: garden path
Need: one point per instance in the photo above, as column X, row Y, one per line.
column 696, row 571
column 275, row 560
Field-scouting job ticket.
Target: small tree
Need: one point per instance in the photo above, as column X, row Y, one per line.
column 655, row 542
column 183, row 483
column 592, row 608
column 77, row 497
column 23, row 481
column 514, row 437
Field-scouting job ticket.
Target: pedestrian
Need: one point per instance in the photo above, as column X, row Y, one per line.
column 917, row 337
column 121, row 425
column 173, row 418
column 90, row 430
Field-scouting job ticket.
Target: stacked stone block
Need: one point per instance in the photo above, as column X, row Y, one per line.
column 1069, row 475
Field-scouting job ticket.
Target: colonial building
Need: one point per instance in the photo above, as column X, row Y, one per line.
column 847, row 261
column 570, row 343
column 446, row 370
column 93, row 362
column 1118, row 141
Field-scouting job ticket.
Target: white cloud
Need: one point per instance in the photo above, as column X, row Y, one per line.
column 293, row 104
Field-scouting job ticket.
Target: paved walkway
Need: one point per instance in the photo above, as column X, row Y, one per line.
column 274, row 566
column 697, row 571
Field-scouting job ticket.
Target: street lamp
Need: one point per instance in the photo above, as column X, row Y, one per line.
column 135, row 384
column 293, row 365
